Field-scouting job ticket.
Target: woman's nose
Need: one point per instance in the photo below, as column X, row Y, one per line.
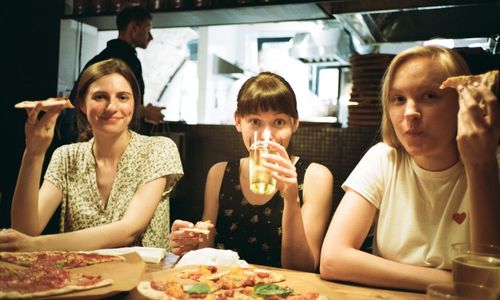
column 265, row 134
column 411, row 110
column 112, row 105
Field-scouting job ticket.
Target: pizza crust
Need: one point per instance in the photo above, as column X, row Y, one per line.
column 53, row 292
column 488, row 79
column 145, row 289
column 50, row 102
column 202, row 227
column 196, row 230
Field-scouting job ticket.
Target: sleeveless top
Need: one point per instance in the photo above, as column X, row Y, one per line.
column 253, row 231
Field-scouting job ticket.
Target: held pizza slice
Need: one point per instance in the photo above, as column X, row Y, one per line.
column 202, row 227
column 489, row 79
column 50, row 102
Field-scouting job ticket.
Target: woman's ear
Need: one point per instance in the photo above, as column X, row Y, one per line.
column 82, row 107
column 237, row 121
column 295, row 125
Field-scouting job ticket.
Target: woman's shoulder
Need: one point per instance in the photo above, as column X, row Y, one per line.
column 218, row 168
column 320, row 173
column 382, row 151
column 318, row 168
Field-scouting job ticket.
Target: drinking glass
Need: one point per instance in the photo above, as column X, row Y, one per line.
column 476, row 264
column 261, row 181
column 459, row 291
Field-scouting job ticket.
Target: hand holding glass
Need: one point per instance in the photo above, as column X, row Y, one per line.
column 261, row 180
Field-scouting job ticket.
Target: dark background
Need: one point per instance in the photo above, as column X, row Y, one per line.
column 30, row 46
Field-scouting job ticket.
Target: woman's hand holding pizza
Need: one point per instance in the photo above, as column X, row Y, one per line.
column 478, row 134
column 283, row 170
column 40, row 131
column 185, row 237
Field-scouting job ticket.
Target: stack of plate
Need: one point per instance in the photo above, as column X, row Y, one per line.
column 366, row 74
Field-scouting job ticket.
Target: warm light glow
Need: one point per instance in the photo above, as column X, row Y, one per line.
column 267, row 135
column 447, row 43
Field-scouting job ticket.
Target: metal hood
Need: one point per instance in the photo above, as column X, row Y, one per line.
column 416, row 20
column 330, row 44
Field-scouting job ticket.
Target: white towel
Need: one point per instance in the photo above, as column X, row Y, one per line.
column 212, row 257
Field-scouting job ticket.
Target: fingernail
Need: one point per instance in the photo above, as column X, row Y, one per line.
column 460, row 88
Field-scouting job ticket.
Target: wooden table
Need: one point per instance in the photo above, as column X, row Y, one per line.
column 300, row 282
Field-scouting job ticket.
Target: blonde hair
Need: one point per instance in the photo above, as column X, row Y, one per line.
column 452, row 63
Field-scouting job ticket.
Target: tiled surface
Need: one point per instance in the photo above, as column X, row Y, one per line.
column 337, row 148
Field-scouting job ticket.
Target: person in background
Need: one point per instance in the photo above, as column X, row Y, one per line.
column 134, row 30
column 113, row 189
column 432, row 182
column 283, row 229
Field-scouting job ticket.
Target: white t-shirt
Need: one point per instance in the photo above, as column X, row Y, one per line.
column 420, row 213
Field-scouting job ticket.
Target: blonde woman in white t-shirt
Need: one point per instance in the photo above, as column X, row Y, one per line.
column 433, row 181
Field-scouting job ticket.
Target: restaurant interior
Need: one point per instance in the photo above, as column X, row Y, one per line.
column 35, row 46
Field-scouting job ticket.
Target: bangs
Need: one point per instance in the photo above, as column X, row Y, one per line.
column 267, row 93
column 264, row 102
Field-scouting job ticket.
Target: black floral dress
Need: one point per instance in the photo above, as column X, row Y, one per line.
column 254, row 231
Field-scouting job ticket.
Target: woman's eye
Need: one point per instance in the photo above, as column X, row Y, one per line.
column 254, row 122
column 99, row 97
column 280, row 122
column 124, row 98
column 430, row 96
column 397, row 99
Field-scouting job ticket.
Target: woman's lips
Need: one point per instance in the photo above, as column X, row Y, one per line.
column 413, row 132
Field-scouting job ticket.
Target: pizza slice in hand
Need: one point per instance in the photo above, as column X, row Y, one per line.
column 46, row 104
column 202, row 227
column 488, row 79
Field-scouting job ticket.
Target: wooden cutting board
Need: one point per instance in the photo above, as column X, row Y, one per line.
column 125, row 274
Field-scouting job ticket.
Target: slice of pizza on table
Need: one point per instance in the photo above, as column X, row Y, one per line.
column 46, row 104
column 46, row 273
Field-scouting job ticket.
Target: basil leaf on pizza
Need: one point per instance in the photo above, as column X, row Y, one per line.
column 270, row 289
column 198, row 288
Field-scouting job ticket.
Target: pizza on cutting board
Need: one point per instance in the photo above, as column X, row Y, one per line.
column 46, row 273
column 233, row 283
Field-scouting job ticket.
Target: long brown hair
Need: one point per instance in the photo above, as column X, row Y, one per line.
column 451, row 62
column 95, row 72
column 264, row 92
